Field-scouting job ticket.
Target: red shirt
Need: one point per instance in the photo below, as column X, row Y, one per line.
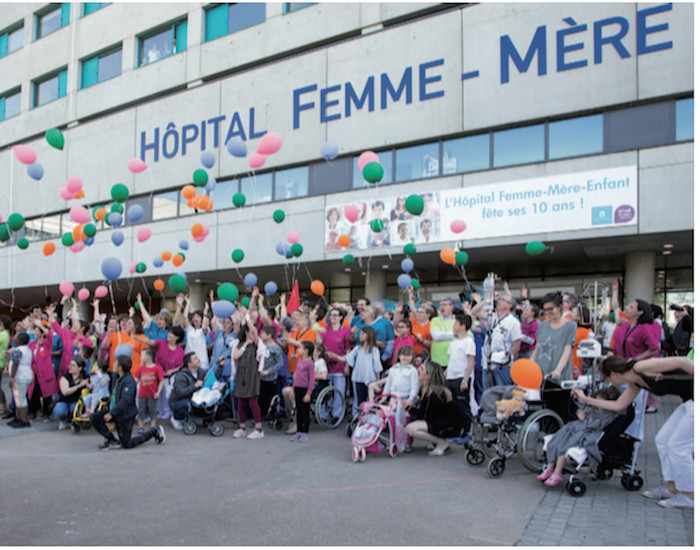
column 149, row 378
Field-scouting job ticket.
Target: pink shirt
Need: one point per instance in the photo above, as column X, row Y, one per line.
column 529, row 330
column 69, row 340
column 399, row 342
column 338, row 342
column 42, row 366
column 168, row 359
column 304, row 375
column 631, row 342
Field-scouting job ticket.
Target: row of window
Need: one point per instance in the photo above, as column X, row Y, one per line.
column 612, row 131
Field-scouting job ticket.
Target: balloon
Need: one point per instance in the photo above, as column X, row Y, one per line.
column 117, row 238
column 250, row 280
column 297, row 249
column 197, row 229
column 35, row 171
column 207, row 158
column 269, row 144
column 101, row 291
column 178, row 259
column 203, row 202
column 83, row 294
column 237, row 255
column 134, row 213
column 278, row 216
column 79, row 214
column 78, row 234
column 223, row 309
column 4, row 233
column 132, row 267
column 67, row 239
column 90, row 230
column 65, row 194
column 237, row 147
column 200, row 177
column 373, row 172
column 344, row 240
column 189, row 191
column 292, row 236
column 256, row 160
column 352, row 212
column 409, row 249
column 66, row 288
column 24, row 154
column 158, row 261
column 447, row 255
column 23, row 244
column 246, row 302
column 143, row 235
column 49, row 248
column 165, row 255
column 526, row 373
column 88, row 241
column 184, row 244
column 177, row 283
column 329, row 150
column 461, row 258
column 366, row 157
column 158, row 284
column 238, row 200
column 227, row 291
column 348, row 259
column 458, row 226
column 115, row 219
column 535, row 248
column 270, row 288
column 119, row 192
column 15, row 221
column 77, row 247
column 79, row 195
column 415, row 284
column 140, row 267
column 124, row 350
column 317, row 287
column 99, row 214
column 415, row 205
column 55, row 138
column 407, row 265
column 376, row 225
column 118, row 208
column 136, row 165
column 404, row 281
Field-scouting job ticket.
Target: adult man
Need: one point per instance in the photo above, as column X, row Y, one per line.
column 123, row 413
column 682, row 331
column 460, row 367
column 442, row 331
column 384, row 329
column 355, row 324
column 569, row 302
column 186, row 381
column 504, row 341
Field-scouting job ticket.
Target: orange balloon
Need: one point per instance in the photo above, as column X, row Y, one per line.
column 344, row 240
column 78, row 234
column 158, row 284
column 317, row 288
column 189, row 191
column 49, row 248
column 165, row 255
column 447, row 255
column 100, row 213
column 197, row 229
column 190, row 203
column 205, row 203
column 526, row 373
column 177, row 260
column 80, row 195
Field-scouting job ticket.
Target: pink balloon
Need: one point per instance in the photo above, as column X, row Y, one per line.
column 132, row 267
column 292, row 236
column 205, row 230
column 352, row 212
column 269, row 144
column 66, row 288
column 24, row 154
column 458, row 226
column 364, row 158
column 0, row 218
column 65, row 194
column 101, row 291
column 79, row 214
column 77, row 247
column 83, row 294
column 143, row 235
column 256, row 160
column 136, row 165
column 74, row 185
column 200, row 238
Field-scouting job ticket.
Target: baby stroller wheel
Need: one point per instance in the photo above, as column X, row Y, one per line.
column 576, row 488
column 75, row 428
column 216, row 429
column 279, row 424
column 604, row 472
column 475, row 457
column 393, row 450
column 189, row 427
column 355, row 454
column 496, row 466
column 363, row 454
column 632, row 482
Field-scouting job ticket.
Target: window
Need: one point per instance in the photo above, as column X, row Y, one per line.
column 289, row 7
column 52, row 19
column 330, row 177
column 640, row 126
column 50, row 88
column 257, row 189
column 9, row 104
column 92, row 7
column 466, row 154
column 292, row 183
column 227, row 18
column 32, row 229
column 101, row 67
column 420, row 161
column 51, row 226
column 222, row 194
column 385, row 159
column 518, row 146
column 684, row 119
column 576, row 137
column 163, row 43
column 165, row 205
column 11, row 40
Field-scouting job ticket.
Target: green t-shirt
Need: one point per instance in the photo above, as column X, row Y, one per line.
column 4, row 344
column 438, row 349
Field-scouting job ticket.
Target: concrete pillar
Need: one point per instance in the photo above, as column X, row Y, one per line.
column 375, row 284
column 639, row 276
column 198, row 295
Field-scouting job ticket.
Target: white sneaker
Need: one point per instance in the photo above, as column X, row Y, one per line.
column 177, row 424
column 292, row 429
column 255, row 434
column 677, row 501
column 658, row 494
column 240, row 432
column 62, row 425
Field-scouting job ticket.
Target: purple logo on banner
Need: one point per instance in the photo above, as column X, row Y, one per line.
column 624, row 213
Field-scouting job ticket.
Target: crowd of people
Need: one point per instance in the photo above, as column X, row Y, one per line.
column 139, row 367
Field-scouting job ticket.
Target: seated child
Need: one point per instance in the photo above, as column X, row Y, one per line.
column 584, row 432
column 99, row 384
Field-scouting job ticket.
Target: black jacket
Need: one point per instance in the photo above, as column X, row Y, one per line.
column 124, row 408
column 183, row 384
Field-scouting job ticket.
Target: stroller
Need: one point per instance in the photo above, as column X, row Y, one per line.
column 205, row 403
column 379, row 427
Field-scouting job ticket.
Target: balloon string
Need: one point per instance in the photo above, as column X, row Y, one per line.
column 111, row 296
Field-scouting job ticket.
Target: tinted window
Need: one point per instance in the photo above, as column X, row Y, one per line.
column 110, row 65
column 518, row 146
column 46, row 91
column 643, row 126
column 223, row 193
column 157, row 46
column 15, row 39
column 330, row 177
column 684, row 119
column 465, row 154
column 575, row 137
column 165, row 205
column 385, row 159
column 12, row 105
column 420, row 161
column 49, row 22
column 257, row 189
column 51, row 226
column 292, row 183
column 241, row 16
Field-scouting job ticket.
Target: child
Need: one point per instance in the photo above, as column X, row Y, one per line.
column 403, row 338
column 21, row 377
column 99, row 384
column 402, row 380
column 366, row 365
column 150, row 377
column 303, row 385
column 583, row 433
column 320, row 366
column 271, row 367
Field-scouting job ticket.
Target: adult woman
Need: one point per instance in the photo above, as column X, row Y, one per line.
column 156, row 327
column 399, row 212
column 555, row 340
column 70, row 387
column 436, row 414
column 43, row 369
column 245, row 360
column 336, row 338
column 674, row 442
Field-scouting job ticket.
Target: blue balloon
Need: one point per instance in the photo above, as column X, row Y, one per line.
column 407, row 265
column 115, row 219
column 223, row 309
column 89, row 241
column 111, row 268
column 250, row 280
column 404, row 281
column 237, row 147
column 270, row 288
column 157, row 261
column 207, row 158
column 134, row 213
column 329, row 150
column 123, row 350
column 184, row 244
column 35, row 171
column 117, row 238
column 283, row 249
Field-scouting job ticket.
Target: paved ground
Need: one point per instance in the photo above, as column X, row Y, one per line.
column 58, row 489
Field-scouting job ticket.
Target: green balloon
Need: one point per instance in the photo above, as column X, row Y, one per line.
column 181, row 254
column 289, row 255
column 246, row 302
column 200, row 177
column 237, row 255
column 415, row 283
column 89, row 230
column 4, row 233
column 415, row 205
column 137, row 306
column 376, row 225
column 297, row 249
column 55, row 138
column 120, row 192
column 461, row 258
column 67, row 239
column 116, row 208
column 227, row 291
column 535, row 248
column 177, row 283
column 140, row 267
column 278, row 216
column 373, row 172
column 348, row 259
column 409, row 249
column 238, row 200
column 15, row 221
column 23, row 243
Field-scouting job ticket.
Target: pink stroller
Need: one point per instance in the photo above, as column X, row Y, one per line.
column 379, row 427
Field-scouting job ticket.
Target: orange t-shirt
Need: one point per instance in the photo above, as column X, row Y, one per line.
column 309, row 335
column 577, row 362
column 424, row 331
column 119, row 338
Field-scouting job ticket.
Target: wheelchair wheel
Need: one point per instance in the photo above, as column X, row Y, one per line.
column 496, row 466
column 632, row 482
column 215, row 429
column 189, row 427
column 576, row 488
column 530, row 446
column 475, row 457
column 324, row 407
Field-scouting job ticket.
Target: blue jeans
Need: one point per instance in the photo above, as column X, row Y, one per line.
column 501, row 376
column 63, row 410
column 180, row 409
column 338, row 380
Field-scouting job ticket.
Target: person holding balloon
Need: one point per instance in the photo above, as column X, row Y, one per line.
column 73, row 338
column 196, row 325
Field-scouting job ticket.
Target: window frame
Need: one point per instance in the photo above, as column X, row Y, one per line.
column 86, row 4
column 228, row 6
column 174, row 40
column 3, row 100
column 64, row 15
column 5, row 39
column 98, row 57
column 61, row 74
column 287, row 5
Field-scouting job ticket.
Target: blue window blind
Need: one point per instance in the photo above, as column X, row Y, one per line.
column 216, row 22
column 65, row 14
column 89, row 72
column 92, row 7
column 62, row 83
column 3, row 45
column 181, row 37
